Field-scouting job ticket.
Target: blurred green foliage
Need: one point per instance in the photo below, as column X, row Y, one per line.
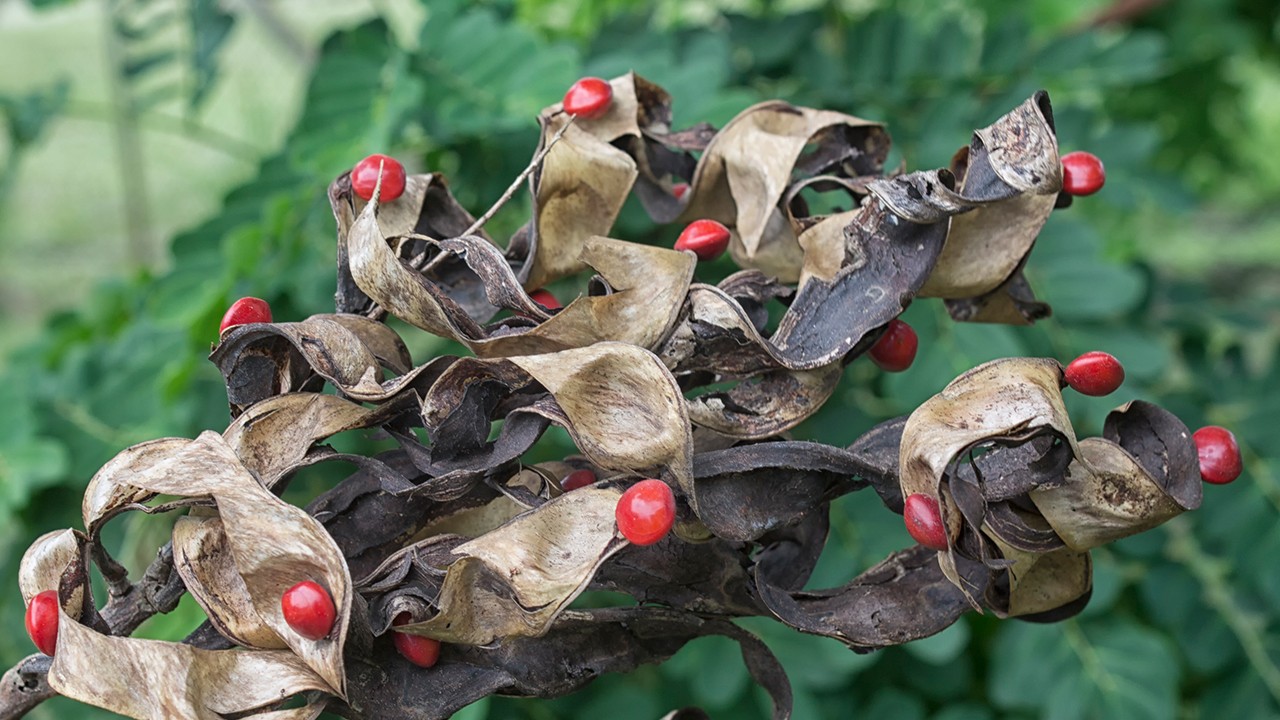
column 1174, row 268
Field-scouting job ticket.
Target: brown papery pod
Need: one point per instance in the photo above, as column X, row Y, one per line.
column 583, row 182
column 747, row 167
column 649, row 284
column 149, row 679
column 1009, row 399
column 1008, row 179
column 1144, row 472
column 624, row 409
column 202, row 556
column 54, row 557
column 272, row 544
column 1038, row 583
column 273, row 437
column 514, row 580
column 348, row 351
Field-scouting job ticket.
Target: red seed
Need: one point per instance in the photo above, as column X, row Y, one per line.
column 646, row 512
column 417, row 649
column 1095, row 373
column 588, row 98
column 1082, row 173
column 309, row 610
column 706, row 238
column 545, row 299
column 364, row 178
column 1220, row 460
column 244, row 311
column 42, row 621
column 896, row 348
column 577, row 479
column 679, row 189
column 924, row 521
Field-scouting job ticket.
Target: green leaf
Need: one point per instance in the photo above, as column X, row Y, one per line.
column 1077, row 670
column 1084, row 288
column 478, row 710
column 941, row 648
column 714, row 669
column 210, row 27
column 964, row 712
column 894, row 703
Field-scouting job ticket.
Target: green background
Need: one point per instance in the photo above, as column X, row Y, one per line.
column 160, row 159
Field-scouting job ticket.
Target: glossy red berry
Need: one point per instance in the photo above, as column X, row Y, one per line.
column 309, row 610
column 1220, row 460
column 646, row 512
column 42, row 621
column 577, row 479
column 896, row 348
column 417, row 649
column 1095, row 373
column 1082, row 173
column 244, row 311
column 706, row 238
column 679, row 190
column 364, row 178
column 924, row 521
column 545, row 299
column 588, row 98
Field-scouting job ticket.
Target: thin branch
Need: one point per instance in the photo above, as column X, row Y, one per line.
column 515, row 185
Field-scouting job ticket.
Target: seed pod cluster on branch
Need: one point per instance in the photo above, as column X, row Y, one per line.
column 454, row 537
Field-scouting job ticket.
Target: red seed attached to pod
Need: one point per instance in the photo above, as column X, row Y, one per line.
column 1220, row 460
column 364, row 178
column 545, row 299
column 1082, row 173
column 924, row 521
column 42, row 621
column 588, row 98
column 706, row 238
column 577, row 479
column 417, row 649
column 896, row 348
column 1095, row 373
column 679, row 190
column 244, row 311
column 309, row 610
column 646, row 512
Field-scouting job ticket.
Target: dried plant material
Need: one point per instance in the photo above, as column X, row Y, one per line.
column 580, row 647
column 515, row 580
column 1110, row 494
column 272, row 544
column 148, row 679
column 1008, row 400
column 639, row 275
column 57, row 561
column 767, row 405
column 348, row 351
column 272, row 437
column 1008, row 180
column 625, row 411
column 884, row 260
column 578, row 194
column 903, row 598
column 747, row 491
column 455, row 529
column 747, row 167
column 202, row 556
column 1039, row 582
